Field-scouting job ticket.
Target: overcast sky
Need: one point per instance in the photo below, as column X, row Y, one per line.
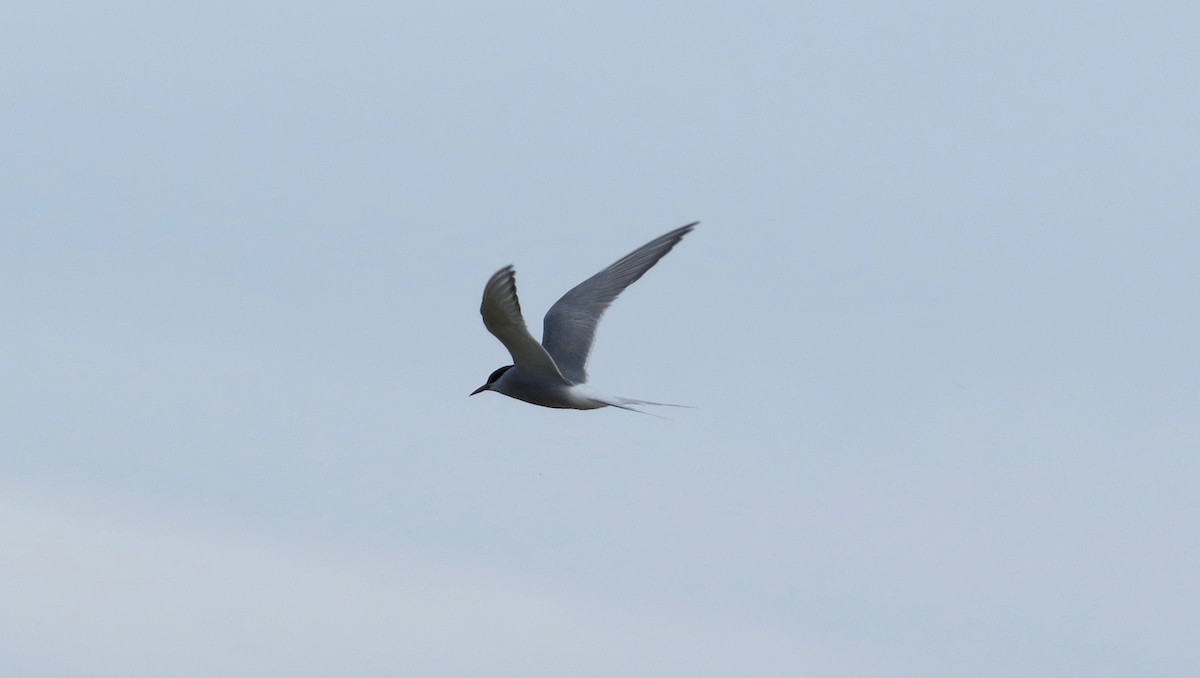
column 939, row 325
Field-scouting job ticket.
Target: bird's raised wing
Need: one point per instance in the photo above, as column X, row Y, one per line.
column 570, row 326
column 502, row 316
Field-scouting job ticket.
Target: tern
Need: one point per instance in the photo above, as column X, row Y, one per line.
column 552, row 374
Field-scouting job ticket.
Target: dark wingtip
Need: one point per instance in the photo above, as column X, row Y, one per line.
column 509, row 276
column 677, row 235
column 684, row 230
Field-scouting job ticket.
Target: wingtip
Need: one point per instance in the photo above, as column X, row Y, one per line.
column 506, row 279
column 507, row 271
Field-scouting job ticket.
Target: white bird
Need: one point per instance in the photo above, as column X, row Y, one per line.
column 551, row 374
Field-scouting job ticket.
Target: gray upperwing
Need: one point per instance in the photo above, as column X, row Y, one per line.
column 570, row 325
column 501, row 313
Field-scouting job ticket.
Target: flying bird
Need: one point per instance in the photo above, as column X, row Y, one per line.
column 552, row 374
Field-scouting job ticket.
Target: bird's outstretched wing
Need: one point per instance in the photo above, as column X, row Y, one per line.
column 570, row 326
column 502, row 316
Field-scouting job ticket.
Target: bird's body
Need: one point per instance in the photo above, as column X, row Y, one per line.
column 552, row 374
column 537, row 390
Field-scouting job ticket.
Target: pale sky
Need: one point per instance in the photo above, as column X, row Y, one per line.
column 939, row 325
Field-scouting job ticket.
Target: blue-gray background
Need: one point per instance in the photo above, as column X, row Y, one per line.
column 939, row 323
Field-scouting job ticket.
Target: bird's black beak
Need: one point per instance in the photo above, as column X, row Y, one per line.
column 481, row 389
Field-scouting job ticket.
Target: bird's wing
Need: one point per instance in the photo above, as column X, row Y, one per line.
column 502, row 316
column 570, row 325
